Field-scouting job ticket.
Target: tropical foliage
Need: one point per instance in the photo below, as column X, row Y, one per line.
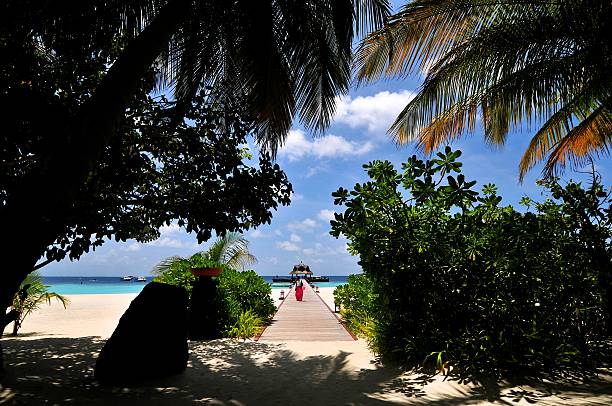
column 357, row 300
column 508, row 63
column 32, row 294
column 243, row 298
column 228, row 251
column 452, row 278
column 247, row 325
column 244, row 301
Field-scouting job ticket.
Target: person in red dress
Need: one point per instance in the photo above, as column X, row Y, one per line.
column 299, row 290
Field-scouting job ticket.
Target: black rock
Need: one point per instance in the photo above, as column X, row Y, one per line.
column 150, row 340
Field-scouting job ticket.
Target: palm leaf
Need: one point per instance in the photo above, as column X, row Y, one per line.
column 36, row 294
column 166, row 264
column 591, row 137
column 559, row 126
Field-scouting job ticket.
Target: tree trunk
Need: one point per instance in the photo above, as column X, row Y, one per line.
column 34, row 214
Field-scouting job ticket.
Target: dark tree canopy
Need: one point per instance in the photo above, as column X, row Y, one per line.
column 195, row 173
column 163, row 167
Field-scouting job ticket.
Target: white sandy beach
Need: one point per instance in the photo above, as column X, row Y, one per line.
column 52, row 359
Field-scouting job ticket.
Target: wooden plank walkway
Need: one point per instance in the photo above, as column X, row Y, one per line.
column 308, row 320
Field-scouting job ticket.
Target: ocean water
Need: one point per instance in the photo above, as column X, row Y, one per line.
column 87, row 285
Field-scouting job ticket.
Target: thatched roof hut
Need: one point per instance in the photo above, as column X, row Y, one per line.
column 301, row 269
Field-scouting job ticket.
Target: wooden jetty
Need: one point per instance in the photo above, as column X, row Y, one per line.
column 308, row 320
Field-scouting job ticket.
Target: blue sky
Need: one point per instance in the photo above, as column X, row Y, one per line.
column 317, row 166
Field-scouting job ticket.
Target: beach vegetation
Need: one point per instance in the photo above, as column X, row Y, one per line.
column 241, row 291
column 455, row 281
column 247, row 325
column 228, row 251
column 243, row 297
column 32, row 294
column 357, row 301
column 507, row 65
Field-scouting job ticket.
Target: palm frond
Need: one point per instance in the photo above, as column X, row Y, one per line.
column 558, row 126
column 277, row 59
column 236, row 253
column 231, row 249
column 166, row 264
column 324, row 73
column 526, row 84
column 35, row 300
column 425, row 30
column 36, row 294
column 369, row 14
column 592, row 136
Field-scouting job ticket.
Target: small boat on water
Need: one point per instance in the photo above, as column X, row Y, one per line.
column 141, row 279
column 317, row 279
column 127, row 278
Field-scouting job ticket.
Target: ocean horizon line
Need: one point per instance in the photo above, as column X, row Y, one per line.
column 147, row 275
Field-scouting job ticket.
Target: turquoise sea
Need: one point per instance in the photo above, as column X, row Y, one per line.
column 87, row 285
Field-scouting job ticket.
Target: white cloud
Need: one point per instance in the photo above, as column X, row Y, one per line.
column 169, row 238
column 287, row 246
column 308, row 251
column 172, row 229
column 296, row 197
column 295, row 238
column 326, row 215
column 299, row 146
column 304, row 225
column 313, row 170
column 376, row 113
column 271, row 260
column 256, row 234
column 171, row 243
column 133, row 247
column 263, row 234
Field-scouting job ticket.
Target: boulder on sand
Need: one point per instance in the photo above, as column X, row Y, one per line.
column 150, row 340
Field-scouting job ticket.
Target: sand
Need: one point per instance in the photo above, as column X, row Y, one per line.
column 51, row 362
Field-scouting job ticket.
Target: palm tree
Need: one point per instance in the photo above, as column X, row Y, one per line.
column 542, row 62
column 232, row 250
column 32, row 294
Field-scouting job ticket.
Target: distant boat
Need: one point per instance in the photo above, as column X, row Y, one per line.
column 141, row 279
column 317, row 278
column 127, row 278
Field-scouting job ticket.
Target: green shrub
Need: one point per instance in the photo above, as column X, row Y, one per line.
column 177, row 270
column 357, row 302
column 247, row 325
column 244, row 291
column 458, row 280
column 238, row 293
column 177, row 275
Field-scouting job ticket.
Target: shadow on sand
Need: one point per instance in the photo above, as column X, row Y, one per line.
column 224, row 372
